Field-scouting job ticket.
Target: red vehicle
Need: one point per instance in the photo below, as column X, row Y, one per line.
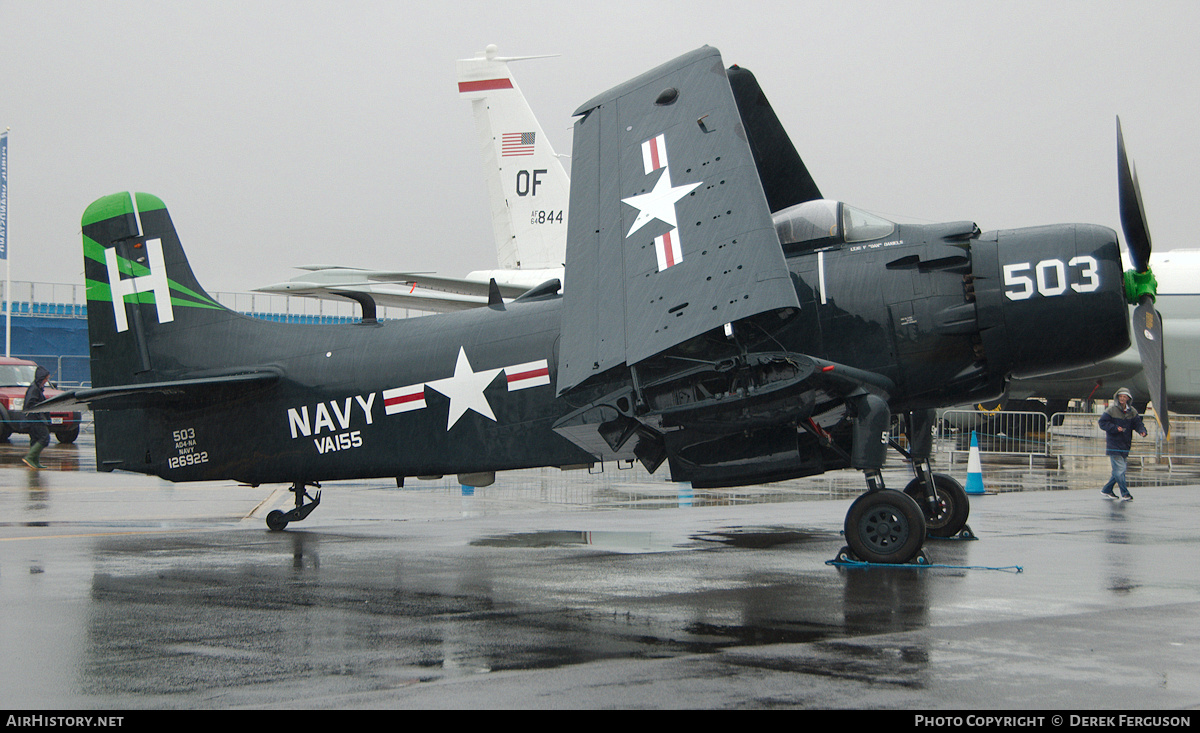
column 15, row 376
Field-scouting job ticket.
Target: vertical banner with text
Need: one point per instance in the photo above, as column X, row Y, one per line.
column 4, row 243
column 4, row 195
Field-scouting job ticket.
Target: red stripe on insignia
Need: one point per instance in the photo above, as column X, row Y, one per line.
column 669, row 248
column 405, row 398
column 543, row 372
column 485, row 85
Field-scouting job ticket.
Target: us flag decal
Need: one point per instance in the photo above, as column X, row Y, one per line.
column 517, row 143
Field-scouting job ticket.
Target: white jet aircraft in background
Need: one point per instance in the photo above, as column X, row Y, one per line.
column 1178, row 300
column 529, row 191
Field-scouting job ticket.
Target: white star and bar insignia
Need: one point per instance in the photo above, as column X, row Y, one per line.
column 466, row 388
column 659, row 203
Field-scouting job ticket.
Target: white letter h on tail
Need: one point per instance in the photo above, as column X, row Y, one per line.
column 155, row 282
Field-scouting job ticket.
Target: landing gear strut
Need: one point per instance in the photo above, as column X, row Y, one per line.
column 941, row 497
column 883, row 525
column 278, row 520
column 888, row 526
column 946, row 515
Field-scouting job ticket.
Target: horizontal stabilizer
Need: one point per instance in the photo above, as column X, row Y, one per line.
column 179, row 394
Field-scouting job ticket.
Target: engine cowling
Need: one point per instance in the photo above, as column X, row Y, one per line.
column 1049, row 298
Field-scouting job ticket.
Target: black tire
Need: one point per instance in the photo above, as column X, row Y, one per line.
column 950, row 515
column 885, row 526
column 5, row 429
column 276, row 522
column 68, row 436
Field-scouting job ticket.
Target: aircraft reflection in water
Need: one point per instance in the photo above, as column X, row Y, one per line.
column 136, row 612
column 718, row 315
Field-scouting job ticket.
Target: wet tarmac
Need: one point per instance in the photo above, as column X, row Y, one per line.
column 574, row 590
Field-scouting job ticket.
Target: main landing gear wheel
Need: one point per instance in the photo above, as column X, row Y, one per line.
column 885, row 526
column 949, row 515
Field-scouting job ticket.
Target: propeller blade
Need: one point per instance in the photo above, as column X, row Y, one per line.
column 1147, row 330
column 1133, row 214
column 1140, row 284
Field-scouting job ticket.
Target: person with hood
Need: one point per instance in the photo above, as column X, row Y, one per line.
column 39, row 431
column 1119, row 422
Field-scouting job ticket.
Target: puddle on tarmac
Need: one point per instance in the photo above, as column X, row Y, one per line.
column 754, row 538
column 631, row 542
column 762, row 538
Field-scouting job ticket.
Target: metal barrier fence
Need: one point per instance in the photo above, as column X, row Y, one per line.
column 1010, row 433
column 1063, row 434
column 66, row 371
column 1080, row 435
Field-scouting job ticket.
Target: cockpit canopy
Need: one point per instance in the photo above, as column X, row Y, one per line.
column 822, row 222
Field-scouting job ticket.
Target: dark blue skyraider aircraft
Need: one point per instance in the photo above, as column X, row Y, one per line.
column 719, row 315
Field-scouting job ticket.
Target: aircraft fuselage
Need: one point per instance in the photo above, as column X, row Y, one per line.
column 940, row 313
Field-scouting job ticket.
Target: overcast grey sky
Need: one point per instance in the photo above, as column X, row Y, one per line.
column 290, row 133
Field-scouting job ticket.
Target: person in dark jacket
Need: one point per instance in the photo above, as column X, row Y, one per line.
column 39, row 430
column 1119, row 422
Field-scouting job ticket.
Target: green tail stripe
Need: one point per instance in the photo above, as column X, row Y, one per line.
column 103, row 293
column 94, row 251
column 191, row 303
column 119, row 204
column 97, row 290
column 207, row 301
column 149, row 202
column 109, row 207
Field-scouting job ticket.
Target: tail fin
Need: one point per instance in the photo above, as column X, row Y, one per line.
column 527, row 184
column 132, row 260
column 159, row 344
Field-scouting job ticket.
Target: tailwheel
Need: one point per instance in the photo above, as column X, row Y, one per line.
column 946, row 516
column 885, row 526
column 277, row 520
